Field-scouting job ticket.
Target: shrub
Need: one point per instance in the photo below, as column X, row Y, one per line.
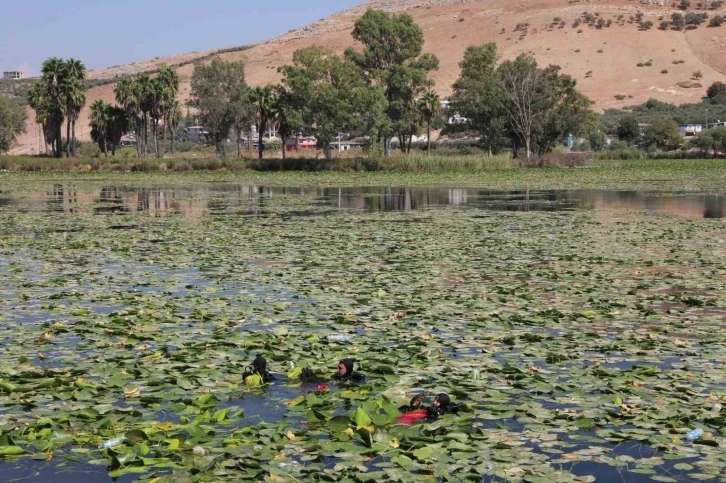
column 689, row 85
column 665, row 25
column 599, row 51
column 649, row 63
column 664, row 71
column 695, row 19
column 640, row 64
column 620, row 97
column 716, row 21
column 685, row 4
column 697, row 75
column 646, row 25
column 715, row 4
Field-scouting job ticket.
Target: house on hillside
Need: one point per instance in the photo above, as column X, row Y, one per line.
column 13, row 75
column 690, row 130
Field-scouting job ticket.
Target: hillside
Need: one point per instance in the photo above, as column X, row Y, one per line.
column 603, row 60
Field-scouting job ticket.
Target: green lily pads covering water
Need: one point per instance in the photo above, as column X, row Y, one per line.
column 579, row 346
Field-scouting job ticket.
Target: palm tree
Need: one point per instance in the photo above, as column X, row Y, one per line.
column 39, row 101
column 118, row 126
column 53, row 70
column 100, row 121
column 429, row 106
column 129, row 95
column 74, row 90
column 156, row 98
column 263, row 99
column 169, row 78
column 145, row 92
column 173, row 118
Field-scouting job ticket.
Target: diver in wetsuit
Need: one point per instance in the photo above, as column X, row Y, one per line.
column 347, row 373
column 259, row 368
column 442, row 405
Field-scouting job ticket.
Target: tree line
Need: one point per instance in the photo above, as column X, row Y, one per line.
column 384, row 91
column 381, row 92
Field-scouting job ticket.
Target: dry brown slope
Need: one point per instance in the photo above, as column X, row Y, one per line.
column 450, row 26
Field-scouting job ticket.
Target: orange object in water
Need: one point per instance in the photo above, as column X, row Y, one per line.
column 413, row 416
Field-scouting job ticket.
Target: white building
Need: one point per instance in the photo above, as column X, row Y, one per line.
column 690, row 130
column 13, row 75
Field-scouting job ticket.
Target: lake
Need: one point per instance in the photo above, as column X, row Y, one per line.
column 580, row 332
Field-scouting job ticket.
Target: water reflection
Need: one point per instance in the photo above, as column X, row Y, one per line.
column 224, row 199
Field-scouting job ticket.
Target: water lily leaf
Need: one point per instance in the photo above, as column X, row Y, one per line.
column 362, row 418
column 11, row 450
column 424, row 453
column 339, row 424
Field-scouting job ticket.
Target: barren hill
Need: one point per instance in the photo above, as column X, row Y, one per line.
column 615, row 65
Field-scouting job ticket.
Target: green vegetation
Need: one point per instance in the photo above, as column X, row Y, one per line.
column 12, row 123
column 219, row 91
column 596, row 336
column 59, row 95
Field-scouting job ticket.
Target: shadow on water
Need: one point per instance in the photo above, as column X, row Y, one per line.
column 253, row 201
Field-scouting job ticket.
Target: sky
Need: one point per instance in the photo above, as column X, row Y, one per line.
column 103, row 33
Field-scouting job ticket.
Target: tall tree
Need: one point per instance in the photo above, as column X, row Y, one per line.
column 329, row 94
column 537, row 102
column 40, row 101
column 283, row 113
column 390, row 59
column 146, row 93
column 217, row 90
column 262, row 98
column 100, row 120
column 477, row 95
column 12, row 123
column 429, row 107
column 53, row 70
column 73, row 89
column 169, row 79
column 129, row 96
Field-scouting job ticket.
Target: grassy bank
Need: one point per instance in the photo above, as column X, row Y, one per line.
column 671, row 175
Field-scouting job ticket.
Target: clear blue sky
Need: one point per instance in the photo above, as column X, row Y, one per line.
column 103, row 33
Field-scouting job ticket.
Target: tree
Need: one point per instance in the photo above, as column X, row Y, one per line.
column 598, row 140
column 390, row 61
column 678, row 21
column 73, row 90
column 12, row 123
column 541, row 105
column 100, row 121
column 129, row 96
column 628, row 129
column 713, row 140
column 717, row 93
column 664, row 134
column 217, row 89
column 330, row 95
column 47, row 113
column 169, row 108
column 429, row 106
column 284, row 115
column 108, row 124
column 262, row 98
column 53, row 70
column 477, row 95
column 695, row 19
